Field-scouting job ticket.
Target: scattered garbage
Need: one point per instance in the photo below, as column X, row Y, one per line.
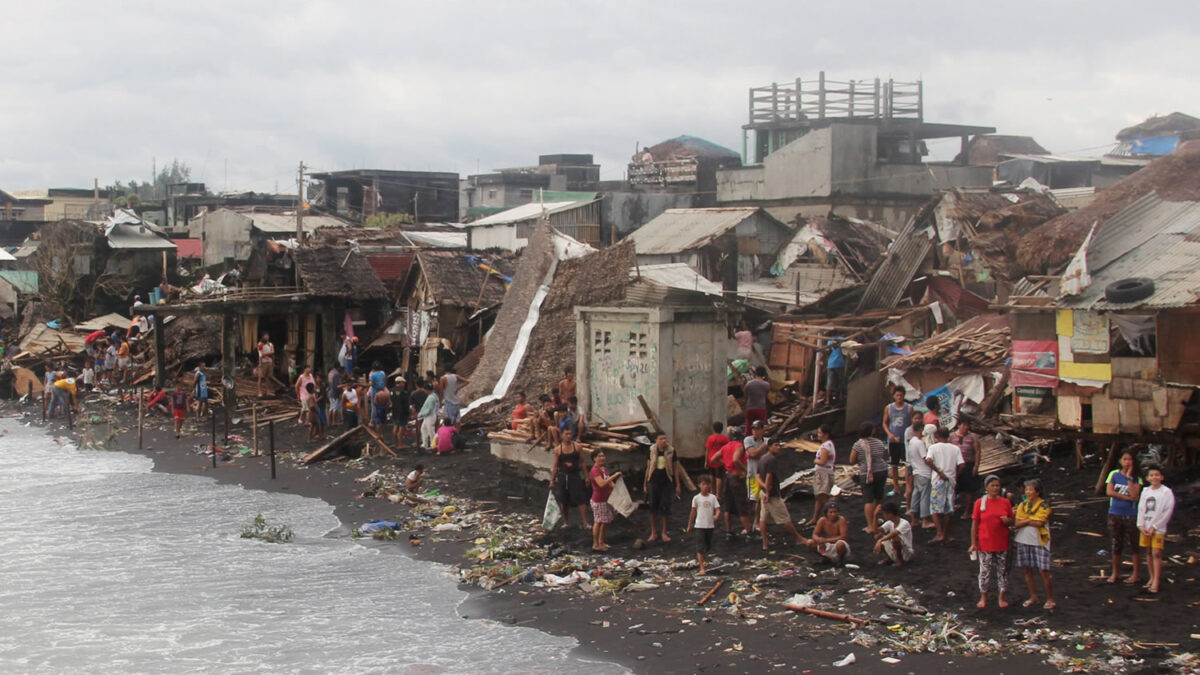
column 845, row 661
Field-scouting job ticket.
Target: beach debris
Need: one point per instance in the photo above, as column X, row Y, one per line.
column 260, row 529
column 845, row 660
column 712, row 591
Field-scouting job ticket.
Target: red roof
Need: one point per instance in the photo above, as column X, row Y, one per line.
column 188, row 248
column 390, row 266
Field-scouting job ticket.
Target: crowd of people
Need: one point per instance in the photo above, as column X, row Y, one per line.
column 924, row 476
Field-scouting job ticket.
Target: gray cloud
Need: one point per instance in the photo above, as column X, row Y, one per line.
column 97, row 91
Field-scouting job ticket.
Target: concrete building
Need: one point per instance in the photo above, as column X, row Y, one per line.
column 228, row 236
column 846, row 148
column 488, row 193
column 674, row 357
column 703, row 238
column 62, row 204
column 510, row 230
column 427, row 196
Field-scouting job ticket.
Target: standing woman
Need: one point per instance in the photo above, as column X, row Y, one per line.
column 602, row 487
column 872, row 457
column 1033, row 542
column 1124, row 487
column 266, row 360
column 569, row 478
column 990, row 527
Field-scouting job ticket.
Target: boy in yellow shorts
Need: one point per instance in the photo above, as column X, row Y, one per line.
column 1155, row 506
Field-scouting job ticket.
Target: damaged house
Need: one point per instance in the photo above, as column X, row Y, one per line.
column 451, row 299
column 231, row 237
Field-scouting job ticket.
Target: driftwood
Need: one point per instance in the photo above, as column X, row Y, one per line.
column 712, row 591
column 828, row 615
column 379, row 440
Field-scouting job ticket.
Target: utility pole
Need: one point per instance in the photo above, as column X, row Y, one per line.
column 416, row 212
column 300, row 204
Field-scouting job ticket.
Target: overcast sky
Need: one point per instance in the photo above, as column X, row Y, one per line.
column 96, row 91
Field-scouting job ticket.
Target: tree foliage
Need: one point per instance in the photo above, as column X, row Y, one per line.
column 135, row 192
column 382, row 220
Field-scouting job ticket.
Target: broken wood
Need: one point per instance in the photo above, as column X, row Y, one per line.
column 828, row 615
column 711, row 592
column 905, row 608
column 331, row 445
column 379, row 440
column 658, row 429
column 1108, row 463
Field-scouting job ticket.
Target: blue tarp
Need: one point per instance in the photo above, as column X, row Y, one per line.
column 1156, row 145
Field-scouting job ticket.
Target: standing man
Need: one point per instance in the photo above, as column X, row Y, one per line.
column 967, row 484
column 835, row 372
column 897, row 416
column 200, row 391
column 944, row 460
column 756, row 448
column 773, row 509
column 712, row 455
column 378, row 381
column 872, row 457
column 400, row 409
column 919, row 476
column 660, row 475
column 334, row 383
column 733, row 456
column 449, row 387
column 266, row 361
column 756, row 397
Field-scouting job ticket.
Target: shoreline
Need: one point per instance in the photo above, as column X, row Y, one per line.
column 659, row 631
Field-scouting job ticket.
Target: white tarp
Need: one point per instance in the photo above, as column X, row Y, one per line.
column 1076, row 277
column 565, row 248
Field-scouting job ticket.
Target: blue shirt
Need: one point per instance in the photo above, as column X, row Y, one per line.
column 836, row 358
column 1121, row 507
column 378, row 380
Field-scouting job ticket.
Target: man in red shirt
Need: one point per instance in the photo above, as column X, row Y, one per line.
column 712, row 456
column 733, row 457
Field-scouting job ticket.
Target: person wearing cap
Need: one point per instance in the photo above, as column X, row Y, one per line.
column 991, row 522
column 830, row 537
column 756, row 447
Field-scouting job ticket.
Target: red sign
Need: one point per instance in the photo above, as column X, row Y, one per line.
column 1034, row 363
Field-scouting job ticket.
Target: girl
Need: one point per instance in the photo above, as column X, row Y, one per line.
column 1123, row 487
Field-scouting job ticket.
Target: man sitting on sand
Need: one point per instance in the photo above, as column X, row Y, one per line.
column 830, row 535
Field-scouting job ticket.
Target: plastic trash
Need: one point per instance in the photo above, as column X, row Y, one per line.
column 800, row 600
column 641, row 586
column 845, row 660
column 447, row 527
column 378, row 526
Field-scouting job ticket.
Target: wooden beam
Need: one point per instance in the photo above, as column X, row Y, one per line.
column 160, row 359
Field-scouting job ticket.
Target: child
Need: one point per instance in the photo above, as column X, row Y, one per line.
column 894, row 538
column 1155, row 507
column 88, row 376
column 292, row 372
column 179, row 406
column 412, row 485
column 705, row 511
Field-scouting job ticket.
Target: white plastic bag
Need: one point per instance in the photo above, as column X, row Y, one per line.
column 552, row 516
column 620, row 500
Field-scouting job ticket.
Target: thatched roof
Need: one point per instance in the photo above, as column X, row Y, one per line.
column 337, row 272
column 1175, row 177
column 986, row 150
column 598, row 278
column 993, row 222
column 456, row 278
column 1160, row 125
column 979, row 343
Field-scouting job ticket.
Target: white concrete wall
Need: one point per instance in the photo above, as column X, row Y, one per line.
column 496, row 236
column 674, row 359
column 224, row 233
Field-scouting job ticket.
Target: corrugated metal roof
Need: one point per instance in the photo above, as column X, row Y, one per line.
column 1150, row 238
column 277, row 223
column 25, row 281
column 5, row 256
column 679, row 275
column 43, row 338
column 531, row 211
column 902, row 261
column 1053, row 159
column 112, row 320
column 126, row 236
column 437, row 239
column 189, row 248
column 678, row 230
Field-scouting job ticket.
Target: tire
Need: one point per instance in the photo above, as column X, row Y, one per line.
column 1129, row 290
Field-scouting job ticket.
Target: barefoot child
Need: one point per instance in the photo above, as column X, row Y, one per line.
column 705, row 511
column 179, row 406
column 894, row 537
column 1123, row 487
column 1155, row 507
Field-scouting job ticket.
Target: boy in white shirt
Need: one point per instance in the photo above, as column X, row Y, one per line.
column 1155, row 507
column 944, row 459
column 705, row 511
column 894, row 537
column 918, row 475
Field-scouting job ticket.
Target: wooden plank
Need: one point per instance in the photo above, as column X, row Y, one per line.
column 1130, row 415
column 1106, row 418
column 1151, row 421
column 372, row 434
column 658, row 429
column 1143, row 390
column 803, row 445
column 331, row 445
column 1177, row 399
column 1158, row 396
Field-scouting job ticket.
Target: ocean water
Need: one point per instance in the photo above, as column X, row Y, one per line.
column 108, row 567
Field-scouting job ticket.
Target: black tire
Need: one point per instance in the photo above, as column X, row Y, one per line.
column 1129, row 290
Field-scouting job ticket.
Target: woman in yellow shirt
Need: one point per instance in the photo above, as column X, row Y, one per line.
column 1032, row 527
